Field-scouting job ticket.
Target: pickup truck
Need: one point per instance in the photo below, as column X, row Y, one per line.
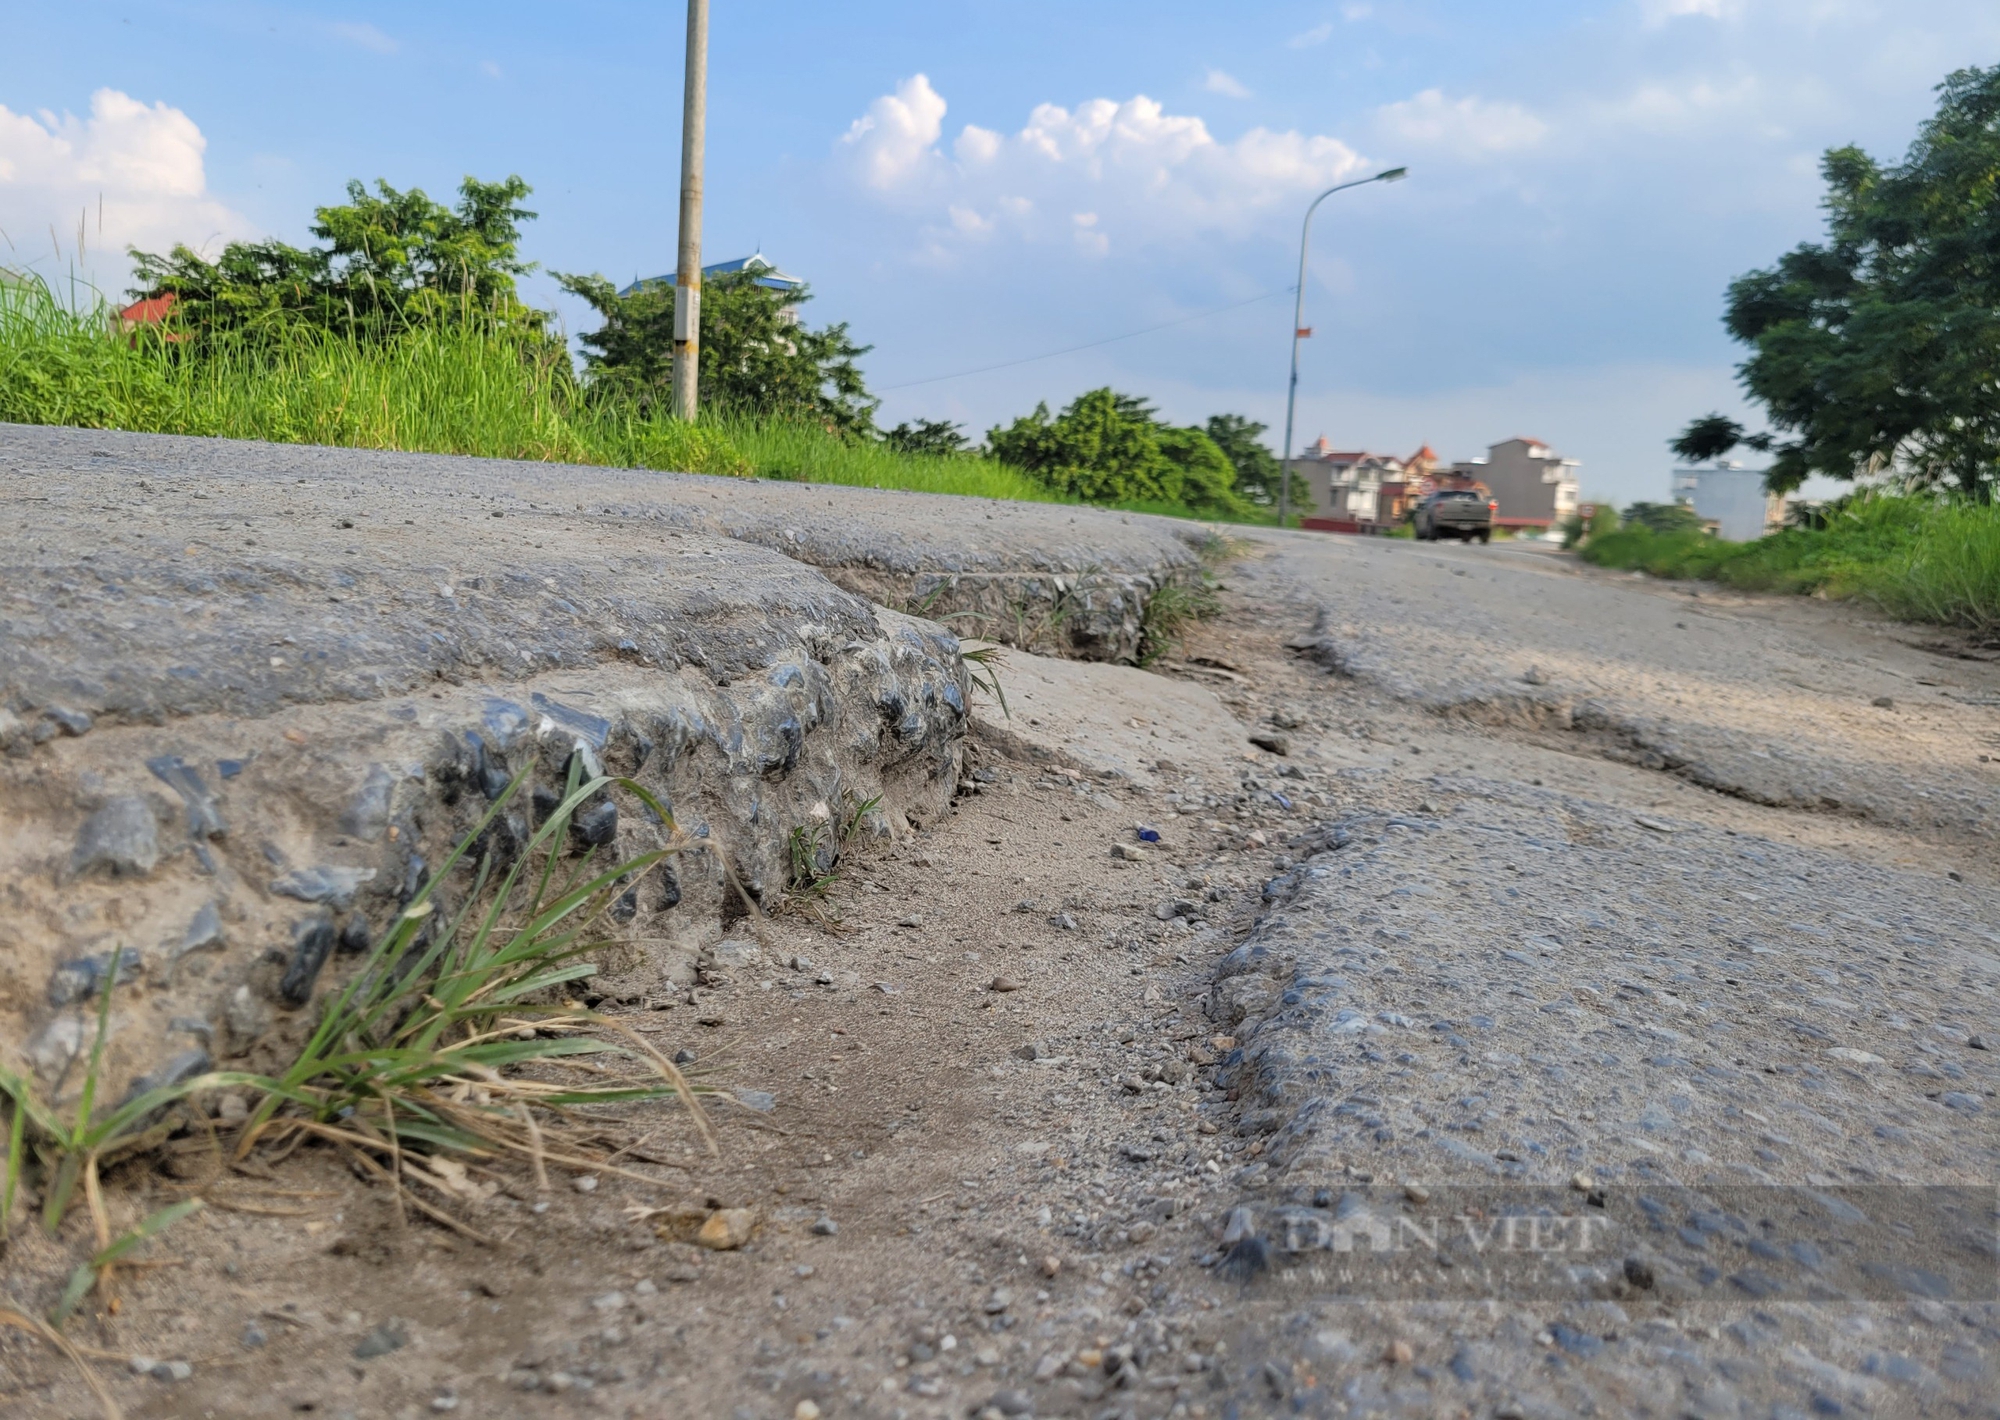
column 1463, row 513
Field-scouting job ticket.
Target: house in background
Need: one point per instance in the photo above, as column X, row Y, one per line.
column 756, row 264
column 1732, row 498
column 1352, row 490
column 1534, row 487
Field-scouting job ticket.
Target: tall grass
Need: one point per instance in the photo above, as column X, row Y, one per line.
column 1916, row 557
column 804, row 453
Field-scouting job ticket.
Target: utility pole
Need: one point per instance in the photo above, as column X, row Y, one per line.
column 687, row 271
column 1299, row 331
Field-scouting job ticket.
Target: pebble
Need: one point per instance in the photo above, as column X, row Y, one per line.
column 1005, row 983
column 1051, row 1266
column 825, row 1227
column 585, row 1183
column 915, row 919
column 389, row 1336
column 1582, row 1182
column 805, row 1410
column 254, row 1336
column 1128, row 852
column 727, row 1229
column 443, row 1402
column 122, row 838
column 1883, row 702
column 1276, row 744
column 999, row 1301
column 1399, row 1353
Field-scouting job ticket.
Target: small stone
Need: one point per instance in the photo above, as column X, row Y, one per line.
column 1012, row 1402
column 1063, row 922
column 825, row 1227
column 1854, row 1057
column 1128, row 852
column 389, row 1336
column 1399, row 1353
column 727, row 1229
column 915, row 919
column 999, row 1301
column 203, row 932
column 1276, row 744
column 1960, row 1100
column 1535, row 675
column 122, row 838
column 608, row 1302
column 444, row 1401
column 254, row 1337
column 1582, row 1182
column 84, row 977
column 312, row 942
column 1639, row 1273
column 986, row 1356
column 334, row 886
column 1051, row 1266
column 684, row 1056
column 682, row 1272
column 172, row 1371
column 587, row 1183
column 1416, row 1193
column 1883, row 702
column 1977, row 1042
column 141, row 1365
column 1005, row 983
column 805, row 1410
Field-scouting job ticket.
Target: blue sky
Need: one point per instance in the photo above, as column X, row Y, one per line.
column 968, row 182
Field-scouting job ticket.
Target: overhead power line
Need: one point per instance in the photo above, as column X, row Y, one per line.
column 1087, row 345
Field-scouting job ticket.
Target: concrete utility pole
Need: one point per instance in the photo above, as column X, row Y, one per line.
column 1299, row 331
column 687, row 271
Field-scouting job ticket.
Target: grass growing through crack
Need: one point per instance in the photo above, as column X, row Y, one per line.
column 455, row 1037
column 1171, row 612
column 413, row 1049
column 808, row 880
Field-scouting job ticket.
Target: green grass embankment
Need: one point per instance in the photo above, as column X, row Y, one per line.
column 1915, row 557
column 444, row 389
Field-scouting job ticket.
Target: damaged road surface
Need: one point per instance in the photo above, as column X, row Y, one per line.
column 1442, row 984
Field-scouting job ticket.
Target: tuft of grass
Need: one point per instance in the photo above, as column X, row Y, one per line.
column 983, row 665
column 455, row 1036
column 429, row 1044
column 1171, row 612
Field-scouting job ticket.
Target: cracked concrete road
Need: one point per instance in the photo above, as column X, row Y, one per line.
column 1782, row 701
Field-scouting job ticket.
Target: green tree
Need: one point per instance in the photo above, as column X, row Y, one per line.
column 385, row 261
column 756, row 356
column 1879, row 348
column 1107, row 447
column 937, row 438
column 1256, row 466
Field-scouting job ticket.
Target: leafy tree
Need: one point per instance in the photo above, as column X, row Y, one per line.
column 756, row 357
column 1256, row 466
column 939, row 438
column 387, row 260
column 1712, row 436
column 1879, row 348
column 1107, row 447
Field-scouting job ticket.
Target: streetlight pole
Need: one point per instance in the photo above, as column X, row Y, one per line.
column 1298, row 329
column 687, row 271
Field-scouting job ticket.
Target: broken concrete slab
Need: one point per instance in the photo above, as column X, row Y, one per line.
column 236, row 733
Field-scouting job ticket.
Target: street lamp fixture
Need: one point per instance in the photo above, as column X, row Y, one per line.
column 1299, row 331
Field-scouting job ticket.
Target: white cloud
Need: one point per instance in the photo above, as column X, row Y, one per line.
column 1660, row 12
column 1354, row 13
column 896, row 139
column 133, row 173
column 1139, row 173
column 364, row 34
column 1469, row 127
column 1228, row 85
column 1306, row 39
